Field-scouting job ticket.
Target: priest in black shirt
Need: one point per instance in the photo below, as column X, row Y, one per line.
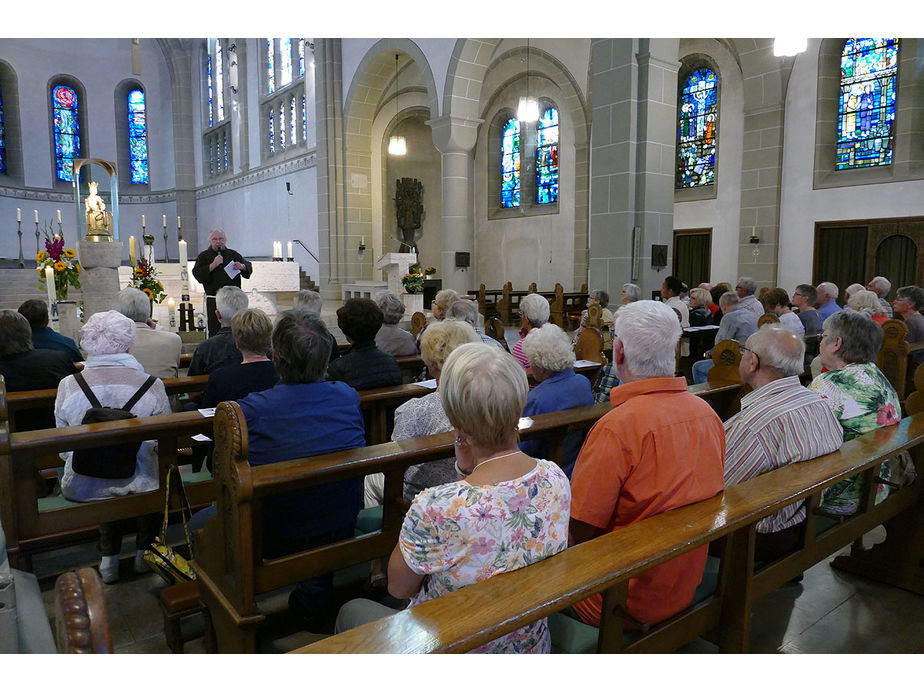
column 209, row 271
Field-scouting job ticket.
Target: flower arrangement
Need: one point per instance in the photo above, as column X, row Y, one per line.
column 144, row 277
column 64, row 260
column 429, row 271
column 413, row 280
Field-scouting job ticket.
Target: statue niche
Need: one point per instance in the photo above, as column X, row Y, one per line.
column 409, row 211
column 99, row 220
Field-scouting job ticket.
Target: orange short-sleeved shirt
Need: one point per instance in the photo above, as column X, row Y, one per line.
column 658, row 449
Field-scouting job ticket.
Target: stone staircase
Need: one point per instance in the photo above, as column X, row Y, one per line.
column 305, row 282
column 18, row 285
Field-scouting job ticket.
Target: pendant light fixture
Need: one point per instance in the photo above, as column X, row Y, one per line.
column 528, row 108
column 397, row 145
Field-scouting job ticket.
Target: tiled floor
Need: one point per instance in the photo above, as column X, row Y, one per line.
column 828, row 612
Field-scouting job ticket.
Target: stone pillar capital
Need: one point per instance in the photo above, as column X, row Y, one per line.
column 454, row 134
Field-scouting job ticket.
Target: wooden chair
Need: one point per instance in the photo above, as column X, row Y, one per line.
column 589, row 346
column 767, row 319
column 893, row 356
column 81, row 617
column 495, row 329
column 418, row 320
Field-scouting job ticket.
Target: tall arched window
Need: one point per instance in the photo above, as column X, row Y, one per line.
column 283, row 90
column 866, row 111
column 510, row 164
column 2, row 138
column 66, row 130
column 218, row 65
column 547, row 158
column 696, row 131
column 137, row 136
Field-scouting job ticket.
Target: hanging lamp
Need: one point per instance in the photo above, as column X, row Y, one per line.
column 397, row 145
column 528, row 108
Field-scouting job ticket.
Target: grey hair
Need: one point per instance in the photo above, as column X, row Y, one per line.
column 828, row 289
column 229, row 300
column 601, row 296
column 15, row 333
column 301, row 347
column 701, row 297
column 649, row 332
column 729, row 299
column 779, row 349
column 308, row 300
column 108, row 332
column 463, row 310
column 445, row 298
column 536, row 309
column 852, row 289
column 133, row 304
column 633, row 292
column 748, row 284
column 441, row 338
column 549, row 348
column 392, row 307
column 915, row 294
column 882, row 285
column 809, row 292
column 865, row 301
column 483, row 391
column 861, row 338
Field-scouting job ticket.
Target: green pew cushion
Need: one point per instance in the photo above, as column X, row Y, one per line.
column 369, row 520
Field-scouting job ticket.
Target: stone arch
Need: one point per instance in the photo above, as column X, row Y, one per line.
column 465, row 78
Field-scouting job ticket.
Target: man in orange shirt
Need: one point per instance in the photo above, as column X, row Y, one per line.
column 659, row 448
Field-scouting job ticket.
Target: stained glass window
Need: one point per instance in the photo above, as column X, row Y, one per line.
column 270, row 67
column 282, row 126
column 285, row 61
column 293, row 121
column 272, row 132
column 510, row 164
column 67, row 131
column 866, row 111
column 209, row 73
column 137, row 137
column 226, row 151
column 304, row 120
column 2, row 139
column 697, row 129
column 219, row 84
column 301, row 57
column 547, row 158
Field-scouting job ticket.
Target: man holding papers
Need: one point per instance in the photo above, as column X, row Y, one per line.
column 219, row 266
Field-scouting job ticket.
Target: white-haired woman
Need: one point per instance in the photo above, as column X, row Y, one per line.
column 508, row 510
column 114, row 376
column 534, row 312
column 552, row 359
column 424, row 416
column 390, row 338
column 863, row 301
column 441, row 303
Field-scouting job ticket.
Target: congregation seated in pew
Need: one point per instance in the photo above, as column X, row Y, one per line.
column 390, row 338
column 508, row 511
column 364, row 366
column 465, row 310
column 158, row 351
column 43, row 337
column 534, row 313
column 115, row 378
column 219, row 350
column 738, row 323
column 424, row 416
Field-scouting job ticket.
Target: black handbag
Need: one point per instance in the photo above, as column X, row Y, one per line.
column 110, row 461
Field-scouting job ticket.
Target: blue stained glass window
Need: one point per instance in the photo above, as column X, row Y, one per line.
column 2, row 139
column 226, row 151
column 285, row 61
column 67, row 131
column 272, row 132
column 866, row 112
column 696, row 140
column 293, row 121
column 219, row 84
column 304, row 119
column 137, row 137
column 270, row 67
column 282, row 126
column 510, row 164
column 301, row 57
column 547, row 158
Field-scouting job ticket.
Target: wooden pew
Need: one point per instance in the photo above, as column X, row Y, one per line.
column 229, row 559
column 470, row 617
column 495, row 329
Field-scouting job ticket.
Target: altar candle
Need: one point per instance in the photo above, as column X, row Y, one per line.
column 50, row 284
column 59, row 216
column 171, row 304
column 184, row 273
column 179, row 224
column 142, row 221
column 36, row 216
column 165, row 221
column 290, row 250
column 18, row 214
column 132, row 251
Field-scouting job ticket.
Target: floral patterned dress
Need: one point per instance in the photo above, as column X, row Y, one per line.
column 457, row 534
column 863, row 400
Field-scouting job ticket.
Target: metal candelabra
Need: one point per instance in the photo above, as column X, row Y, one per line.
column 22, row 263
column 166, row 247
column 36, row 238
column 61, row 230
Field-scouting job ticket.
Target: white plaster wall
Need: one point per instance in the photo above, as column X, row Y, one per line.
column 801, row 206
column 722, row 213
column 253, row 216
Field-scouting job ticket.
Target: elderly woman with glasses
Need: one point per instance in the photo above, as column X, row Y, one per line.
column 858, row 393
column 506, row 511
column 390, row 338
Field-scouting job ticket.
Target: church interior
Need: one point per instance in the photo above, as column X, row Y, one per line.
column 346, row 166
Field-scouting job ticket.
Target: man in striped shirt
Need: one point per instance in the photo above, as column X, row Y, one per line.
column 780, row 422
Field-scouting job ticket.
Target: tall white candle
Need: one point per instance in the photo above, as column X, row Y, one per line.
column 36, row 216
column 59, row 216
column 50, row 285
column 179, row 224
column 171, row 304
column 165, row 221
column 290, row 250
column 18, row 214
column 184, row 271
column 142, row 221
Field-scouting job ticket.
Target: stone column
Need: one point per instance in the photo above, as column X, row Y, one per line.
column 455, row 139
column 99, row 281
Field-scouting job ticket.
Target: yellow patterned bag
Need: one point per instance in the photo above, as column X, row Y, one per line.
column 164, row 561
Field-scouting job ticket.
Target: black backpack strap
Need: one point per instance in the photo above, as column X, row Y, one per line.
column 94, row 402
column 139, row 394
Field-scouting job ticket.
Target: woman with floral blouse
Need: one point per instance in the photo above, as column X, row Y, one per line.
column 858, row 393
column 506, row 511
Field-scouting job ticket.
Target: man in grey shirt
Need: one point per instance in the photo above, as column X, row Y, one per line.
column 745, row 289
column 738, row 323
